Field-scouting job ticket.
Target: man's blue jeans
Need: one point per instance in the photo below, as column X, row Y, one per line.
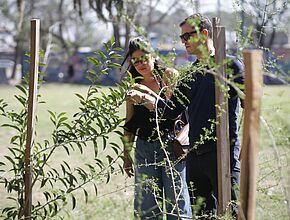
column 153, row 179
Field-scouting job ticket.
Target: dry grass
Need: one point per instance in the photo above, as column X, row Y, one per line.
column 115, row 199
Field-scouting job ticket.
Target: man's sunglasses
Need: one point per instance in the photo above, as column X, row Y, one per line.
column 186, row 35
column 140, row 60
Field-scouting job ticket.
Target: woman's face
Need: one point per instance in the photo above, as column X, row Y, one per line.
column 143, row 63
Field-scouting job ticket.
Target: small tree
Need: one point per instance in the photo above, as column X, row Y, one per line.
column 91, row 126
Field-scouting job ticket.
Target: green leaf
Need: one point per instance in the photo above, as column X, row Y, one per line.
column 73, row 201
column 86, row 195
column 104, row 142
column 43, row 182
column 99, row 163
column 52, row 114
column 11, row 126
column 116, row 56
column 115, row 147
column 21, row 99
column 96, row 189
column 67, row 165
column 112, row 52
column 108, row 177
column 102, row 55
column 55, row 171
column 13, row 139
column 95, row 147
column 47, row 195
column 45, row 212
column 118, row 49
column 94, row 61
column 105, row 71
column 110, row 159
column 55, row 209
column 114, row 65
column 52, row 117
column 63, row 169
column 67, row 126
column 22, row 89
column 92, row 72
column 63, row 182
column 66, row 149
column 119, row 133
column 61, row 120
column 50, row 207
column 80, row 147
column 121, row 169
column 61, row 114
column 72, row 179
column 10, row 159
column 112, row 40
column 11, row 198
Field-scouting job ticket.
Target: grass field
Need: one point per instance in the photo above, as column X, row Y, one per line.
column 115, row 199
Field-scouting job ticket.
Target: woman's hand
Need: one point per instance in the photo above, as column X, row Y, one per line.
column 144, row 89
column 128, row 165
column 140, row 98
column 135, row 96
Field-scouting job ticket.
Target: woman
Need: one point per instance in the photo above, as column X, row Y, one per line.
column 156, row 174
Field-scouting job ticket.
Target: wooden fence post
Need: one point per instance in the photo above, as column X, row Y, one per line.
column 32, row 100
column 222, row 128
column 250, row 142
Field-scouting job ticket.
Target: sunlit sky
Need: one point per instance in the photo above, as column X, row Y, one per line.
column 205, row 5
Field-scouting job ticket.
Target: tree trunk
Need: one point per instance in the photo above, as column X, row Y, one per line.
column 117, row 35
column 260, row 35
column 272, row 37
column 17, row 58
column 127, row 35
column 60, row 28
column 18, row 48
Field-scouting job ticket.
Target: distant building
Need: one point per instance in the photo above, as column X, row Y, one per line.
column 281, row 46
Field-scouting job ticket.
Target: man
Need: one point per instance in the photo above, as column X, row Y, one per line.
column 199, row 97
column 202, row 161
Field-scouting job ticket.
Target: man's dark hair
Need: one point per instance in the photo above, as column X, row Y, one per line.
column 200, row 21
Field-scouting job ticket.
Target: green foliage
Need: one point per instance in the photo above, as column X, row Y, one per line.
column 91, row 126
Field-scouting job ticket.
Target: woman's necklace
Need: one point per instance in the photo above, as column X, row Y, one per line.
column 153, row 83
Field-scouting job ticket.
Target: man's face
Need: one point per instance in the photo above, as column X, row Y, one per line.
column 190, row 39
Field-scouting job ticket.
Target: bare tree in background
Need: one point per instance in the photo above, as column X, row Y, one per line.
column 266, row 16
column 151, row 7
column 18, row 36
column 125, row 14
column 66, row 21
column 61, row 26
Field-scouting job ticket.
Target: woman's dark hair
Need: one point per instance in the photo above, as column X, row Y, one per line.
column 139, row 43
